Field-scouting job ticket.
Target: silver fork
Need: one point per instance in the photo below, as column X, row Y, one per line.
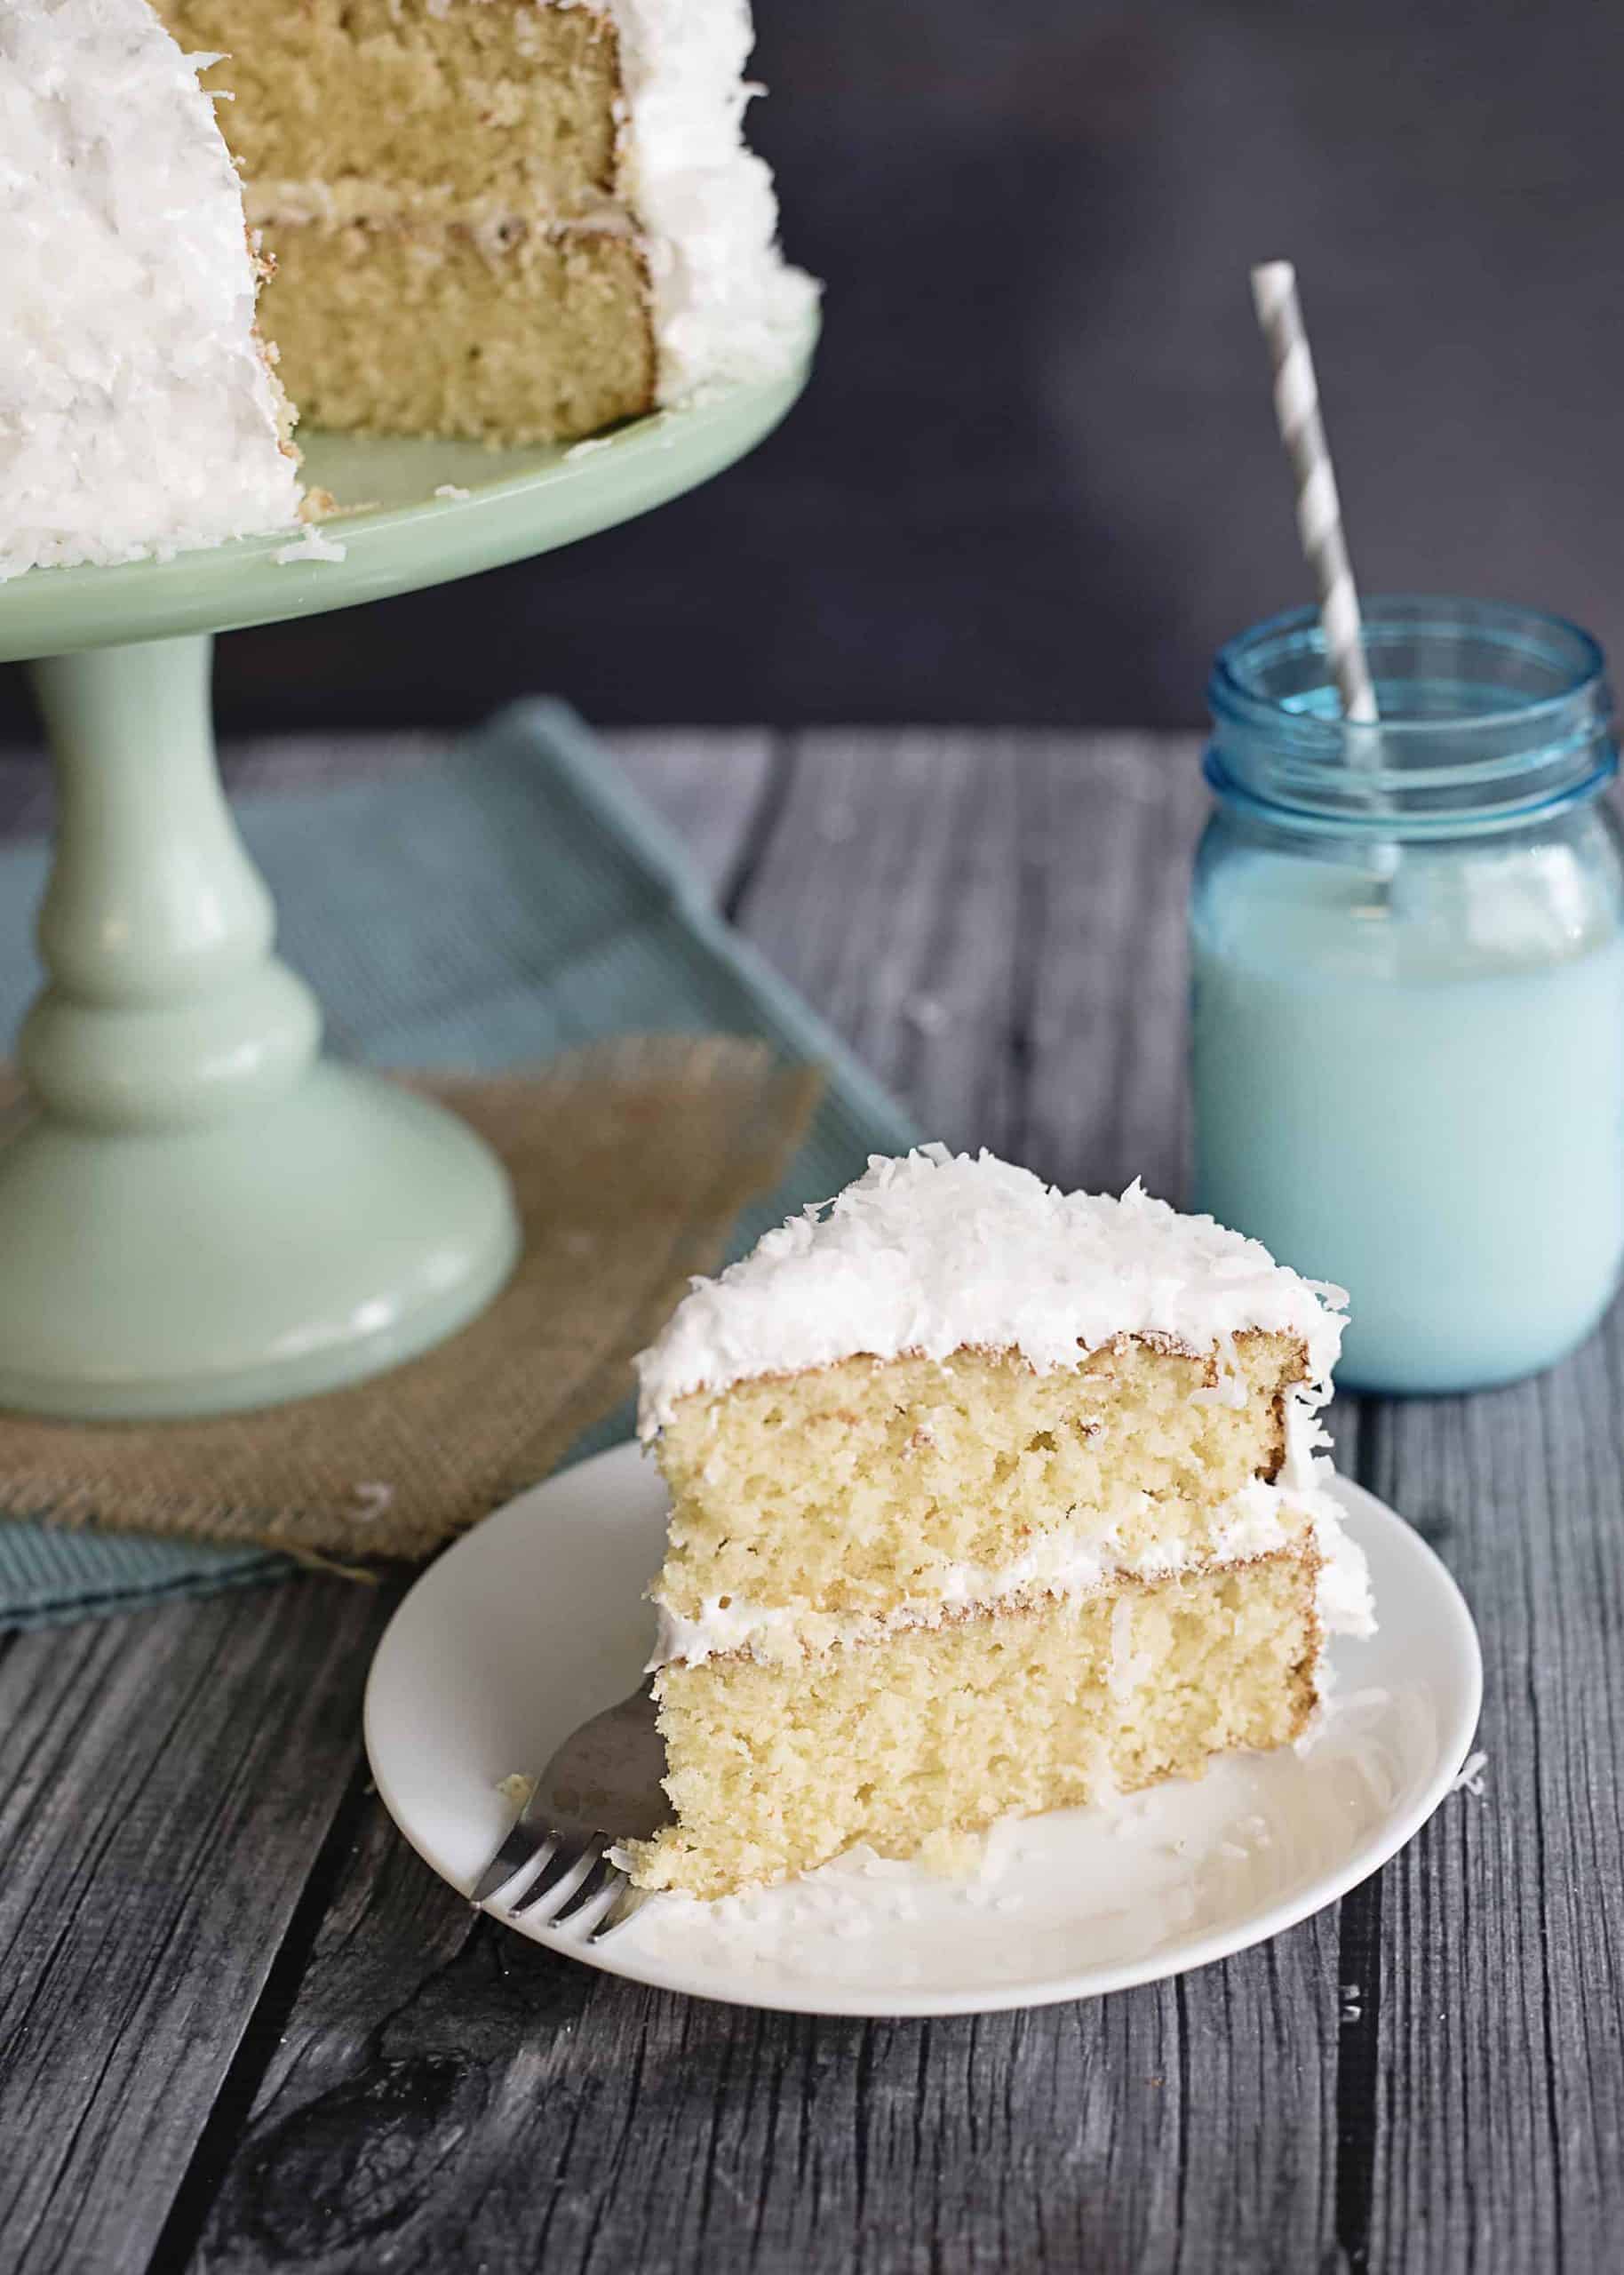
column 602, row 1787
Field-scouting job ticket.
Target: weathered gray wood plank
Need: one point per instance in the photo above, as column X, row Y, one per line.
column 1111, row 827
column 1500, row 2080
column 444, row 2090
column 707, row 785
column 887, row 895
column 1017, row 969
column 440, row 2079
column 165, row 1781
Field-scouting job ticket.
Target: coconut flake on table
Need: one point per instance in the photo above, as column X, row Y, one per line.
column 311, row 545
column 1468, row 1780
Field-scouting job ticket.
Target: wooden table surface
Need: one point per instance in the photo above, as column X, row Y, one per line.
column 242, row 2027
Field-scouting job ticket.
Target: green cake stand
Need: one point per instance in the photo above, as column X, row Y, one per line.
column 198, row 1212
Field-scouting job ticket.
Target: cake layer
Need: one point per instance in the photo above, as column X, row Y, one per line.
column 479, row 99
column 1262, row 1521
column 947, row 1728
column 428, row 331
column 855, row 1485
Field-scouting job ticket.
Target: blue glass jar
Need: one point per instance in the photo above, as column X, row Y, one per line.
column 1407, row 949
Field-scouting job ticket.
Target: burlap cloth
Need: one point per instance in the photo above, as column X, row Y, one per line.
column 630, row 1160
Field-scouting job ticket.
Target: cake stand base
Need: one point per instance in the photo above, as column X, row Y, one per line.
column 180, row 1271
column 198, row 1214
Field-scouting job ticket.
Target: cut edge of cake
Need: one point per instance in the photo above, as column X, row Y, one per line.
column 625, row 223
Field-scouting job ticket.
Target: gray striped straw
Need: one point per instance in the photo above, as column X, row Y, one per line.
column 1320, row 514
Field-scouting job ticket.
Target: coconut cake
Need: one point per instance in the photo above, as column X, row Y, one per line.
column 985, row 1498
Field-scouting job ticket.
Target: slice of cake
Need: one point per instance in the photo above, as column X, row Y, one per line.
column 518, row 220
column 985, row 1500
column 137, row 413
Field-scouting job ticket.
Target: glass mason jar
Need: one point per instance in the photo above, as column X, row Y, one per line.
column 1408, row 985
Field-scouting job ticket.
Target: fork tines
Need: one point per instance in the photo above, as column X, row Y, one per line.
column 562, row 1856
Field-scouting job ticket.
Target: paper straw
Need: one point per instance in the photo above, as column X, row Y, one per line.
column 1319, row 513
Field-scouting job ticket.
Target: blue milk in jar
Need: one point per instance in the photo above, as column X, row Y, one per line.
column 1407, row 943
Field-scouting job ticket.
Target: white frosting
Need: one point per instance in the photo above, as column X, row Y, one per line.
column 137, row 415
column 1257, row 1522
column 936, row 1252
column 727, row 308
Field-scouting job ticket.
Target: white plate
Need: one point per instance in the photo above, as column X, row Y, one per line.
column 535, row 1620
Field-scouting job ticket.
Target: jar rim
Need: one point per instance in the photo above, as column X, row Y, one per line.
column 1491, row 712
column 1395, row 614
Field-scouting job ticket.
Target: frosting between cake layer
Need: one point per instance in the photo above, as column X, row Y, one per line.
column 137, row 412
column 936, row 1252
column 1257, row 1522
column 408, row 208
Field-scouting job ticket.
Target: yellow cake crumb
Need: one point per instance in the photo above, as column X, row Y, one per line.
column 949, row 1854
column 942, row 1732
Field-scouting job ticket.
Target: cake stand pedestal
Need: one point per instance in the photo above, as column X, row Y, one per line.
column 198, row 1213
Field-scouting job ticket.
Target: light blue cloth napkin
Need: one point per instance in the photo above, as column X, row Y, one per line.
column 511, row 901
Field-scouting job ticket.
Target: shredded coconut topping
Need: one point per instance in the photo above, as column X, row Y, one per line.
column 137, row 415
column 936, row 1252
column 727, row 308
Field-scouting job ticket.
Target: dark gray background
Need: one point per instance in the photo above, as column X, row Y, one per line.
column 1036, row 478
